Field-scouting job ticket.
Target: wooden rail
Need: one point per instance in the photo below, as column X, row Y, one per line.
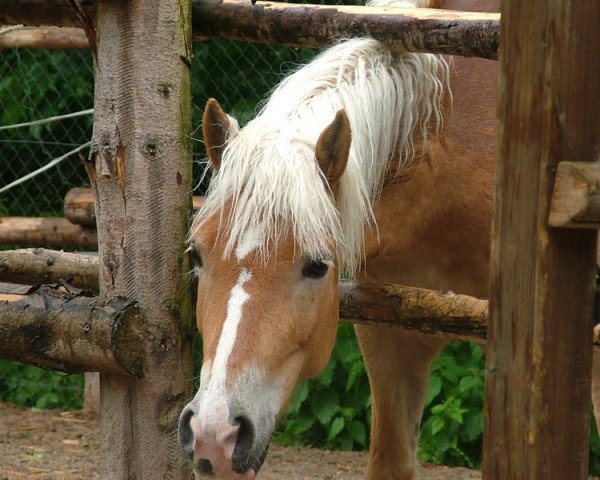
column 301, row 25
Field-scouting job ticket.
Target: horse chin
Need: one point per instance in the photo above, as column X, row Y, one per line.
column 245, row 469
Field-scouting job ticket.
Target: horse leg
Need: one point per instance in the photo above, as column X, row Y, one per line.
column 397, row 363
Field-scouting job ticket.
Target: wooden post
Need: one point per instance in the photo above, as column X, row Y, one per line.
column 542, row 280
column 140, row 171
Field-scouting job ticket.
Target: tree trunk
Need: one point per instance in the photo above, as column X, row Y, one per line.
column 33, row 266
column 140, row 171
column 80, row 208
column 58, row 327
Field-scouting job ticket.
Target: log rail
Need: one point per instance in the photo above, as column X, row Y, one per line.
column 300, row 25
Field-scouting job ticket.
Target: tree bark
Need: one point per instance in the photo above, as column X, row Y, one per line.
column 140, row 172
column 58, row 327
column 45, row 231
column 296, row 25
column 80, row 207
column 451, row 316
column 576, row 196
column 51, row 38
column 33, row 266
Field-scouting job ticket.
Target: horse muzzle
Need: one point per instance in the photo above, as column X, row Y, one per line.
column 224, row 446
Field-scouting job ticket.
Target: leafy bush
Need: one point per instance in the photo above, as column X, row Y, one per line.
column 452, row 423
column 36, row 387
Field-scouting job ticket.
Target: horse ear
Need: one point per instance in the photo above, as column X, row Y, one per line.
column 217, row 128
column 333, row 148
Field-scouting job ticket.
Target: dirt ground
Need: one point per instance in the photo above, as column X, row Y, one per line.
column 52, row 444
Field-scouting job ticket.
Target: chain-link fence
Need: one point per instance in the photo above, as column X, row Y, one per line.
column 37, row 84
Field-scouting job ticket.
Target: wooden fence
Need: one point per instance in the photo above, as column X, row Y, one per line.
column 539, row 342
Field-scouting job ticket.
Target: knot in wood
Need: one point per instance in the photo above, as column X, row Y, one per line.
column 151, row 148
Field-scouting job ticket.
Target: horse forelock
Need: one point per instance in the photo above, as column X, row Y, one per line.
column 269, row 181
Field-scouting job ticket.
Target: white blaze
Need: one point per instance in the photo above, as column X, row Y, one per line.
column 251, row 240
column 213, row 376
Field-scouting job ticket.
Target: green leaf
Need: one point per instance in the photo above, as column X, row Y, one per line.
column 437, row 424
column 324, row 406
column 434, row 388
column 358, row 432
column 336, row 427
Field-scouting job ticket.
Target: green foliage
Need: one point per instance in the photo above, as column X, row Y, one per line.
column 332, row 411
column 36, row 387
column 452, row 422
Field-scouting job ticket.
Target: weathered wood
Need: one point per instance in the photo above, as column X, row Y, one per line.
column 451, row 316
column 542, row 280
column 45, row 231
column 58, row 327
column 80, row 208
column 40, row 12
column 576, row 196
column 300, row 25
column 51, row 38
column 32, row 266
column 140, row 171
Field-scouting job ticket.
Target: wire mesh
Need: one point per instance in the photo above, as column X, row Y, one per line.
column 36, row 84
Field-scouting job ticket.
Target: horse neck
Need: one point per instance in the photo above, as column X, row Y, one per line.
column 434, row 217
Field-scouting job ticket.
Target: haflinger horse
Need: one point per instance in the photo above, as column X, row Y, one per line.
column 362, row 163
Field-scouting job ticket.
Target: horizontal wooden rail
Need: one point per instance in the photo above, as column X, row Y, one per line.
column 50, row 38
column 446, row 314
column 45, row 231
column 58, row 327
column 33, row 266
column 301, row 25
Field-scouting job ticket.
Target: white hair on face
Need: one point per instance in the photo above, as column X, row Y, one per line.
column 269, row 172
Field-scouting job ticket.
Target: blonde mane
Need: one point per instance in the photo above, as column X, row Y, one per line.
column 269, row 174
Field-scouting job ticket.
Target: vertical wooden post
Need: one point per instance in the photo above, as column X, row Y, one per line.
column 140, row 171
column 539, row 341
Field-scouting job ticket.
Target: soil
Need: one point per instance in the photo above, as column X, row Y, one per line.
column 52, row 444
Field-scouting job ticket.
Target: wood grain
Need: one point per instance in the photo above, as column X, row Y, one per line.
column 542, row 280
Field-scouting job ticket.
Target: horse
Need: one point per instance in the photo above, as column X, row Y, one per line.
column 362, row 163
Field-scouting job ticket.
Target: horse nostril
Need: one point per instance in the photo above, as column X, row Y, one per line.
column 241, row 453
column 204, row 466
column 185, row 432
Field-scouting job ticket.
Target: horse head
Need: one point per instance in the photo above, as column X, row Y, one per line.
column 267, row 308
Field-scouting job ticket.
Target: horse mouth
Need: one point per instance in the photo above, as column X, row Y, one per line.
column 242, row 465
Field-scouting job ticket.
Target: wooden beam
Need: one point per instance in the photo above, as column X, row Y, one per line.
column 576, row 196
column 301, row 25
column 141, row 175
column 45, row 231
column 543, row 279
column 51, row 38
column 33, row 266
column 59, row 327
column 448, row 315
column 80, row 207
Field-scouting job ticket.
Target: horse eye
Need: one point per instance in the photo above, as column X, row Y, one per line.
column 195, row 257
column 315, row 269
